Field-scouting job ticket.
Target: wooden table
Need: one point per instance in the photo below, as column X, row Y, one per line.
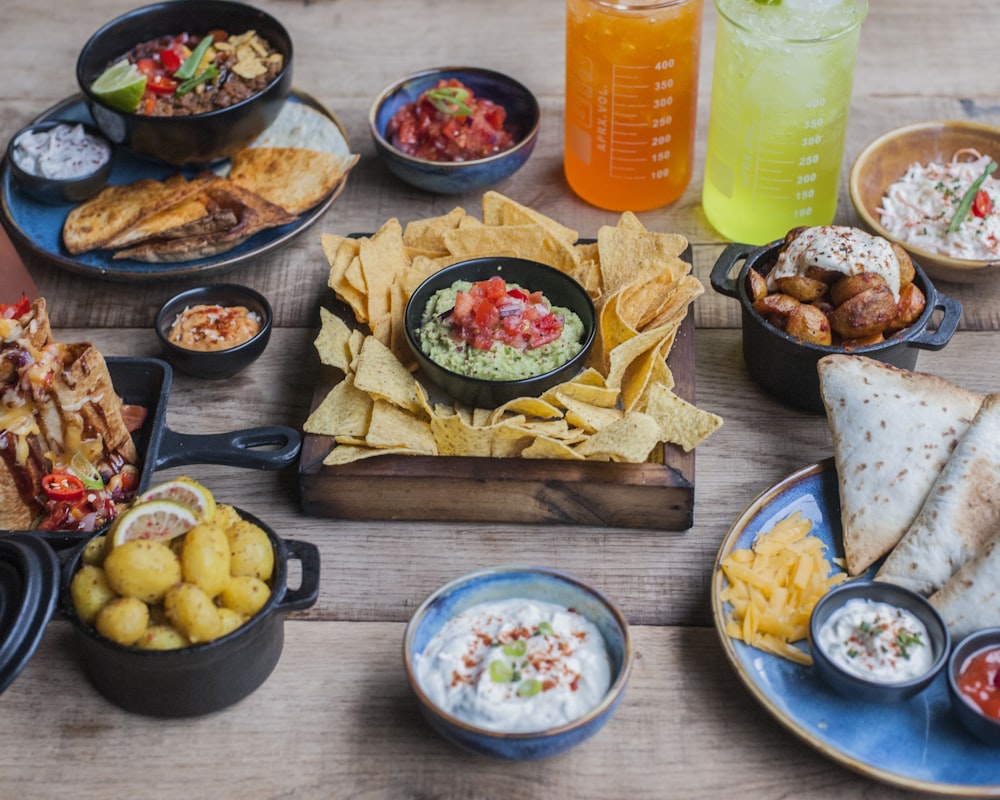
column 336, row 718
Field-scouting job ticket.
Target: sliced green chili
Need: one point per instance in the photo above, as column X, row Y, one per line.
column 190, row 66
column 207, row 74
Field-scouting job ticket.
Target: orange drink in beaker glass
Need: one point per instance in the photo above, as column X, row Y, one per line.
column 631, row 100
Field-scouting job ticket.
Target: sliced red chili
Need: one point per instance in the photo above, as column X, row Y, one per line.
column 15, row 310
column 63, row 486
column 161, row 84
column 171, row 61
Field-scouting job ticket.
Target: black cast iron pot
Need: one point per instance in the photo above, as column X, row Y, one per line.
column 785, row 366
column 207, row 677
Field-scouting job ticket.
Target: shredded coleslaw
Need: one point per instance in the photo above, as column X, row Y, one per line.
column 918, row 208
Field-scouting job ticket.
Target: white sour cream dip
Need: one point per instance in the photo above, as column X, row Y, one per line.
column 62, row 152
column 837, row 248
column 516, row 666
column 877, row 641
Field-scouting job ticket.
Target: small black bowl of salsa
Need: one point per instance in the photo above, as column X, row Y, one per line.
column 218, row 113
column 492, row 345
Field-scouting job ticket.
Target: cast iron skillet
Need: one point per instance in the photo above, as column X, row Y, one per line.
column 146, row 382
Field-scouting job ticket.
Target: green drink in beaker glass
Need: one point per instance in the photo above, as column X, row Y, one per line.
column 781, row 90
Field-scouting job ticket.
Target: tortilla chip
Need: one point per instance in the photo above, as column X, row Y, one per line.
column 544, row 447
column 345, row 411
column 334, row 341
column 379, row 373
column 381, row 258
column 586, row 416
column 392, row 427
column 291, row 177
column 510, row 240
column 454, row 436
column 679, row 421
column 501, row 210
column 346, row 454
column 630, row 438
column 627, row 255
column 428, row 234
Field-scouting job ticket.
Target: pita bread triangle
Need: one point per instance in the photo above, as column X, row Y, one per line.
column 893, row 432
column 961, row 512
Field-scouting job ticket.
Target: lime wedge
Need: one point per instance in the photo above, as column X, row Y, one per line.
column 120, row 86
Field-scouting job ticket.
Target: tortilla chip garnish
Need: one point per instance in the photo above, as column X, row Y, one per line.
column 333, row 343
column 392, row 427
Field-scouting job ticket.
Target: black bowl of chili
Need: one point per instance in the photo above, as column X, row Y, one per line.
column 452, row 130
column 219, row 114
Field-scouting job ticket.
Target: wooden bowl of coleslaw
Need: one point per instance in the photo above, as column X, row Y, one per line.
column 908, row 185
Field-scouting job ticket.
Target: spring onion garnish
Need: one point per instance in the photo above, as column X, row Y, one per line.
column 207, row 74
column 544, row 629
column 187, row 70
column 529, row 688
column 969, row 196
column 86, row 471
column 500, row 672
column 450, row 100
column 516, row 648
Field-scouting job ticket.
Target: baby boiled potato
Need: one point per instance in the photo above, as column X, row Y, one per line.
column 205, row 558
column 142, row 568
column 90, row 591
column 162, row 636
column 245, row 594
column 193, row 613
column 250, row 549
column 122, row 620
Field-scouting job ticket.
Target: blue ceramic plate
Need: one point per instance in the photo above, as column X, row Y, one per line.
column 38, row 227
column 918, row 744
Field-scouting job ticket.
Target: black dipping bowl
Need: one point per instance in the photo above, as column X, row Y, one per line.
column 986, row 728
column 784, row 366
column 206, row 677
column 217, row 363
column 851, row 685
column 59, row 191
column 559, row 289
column 200, row 138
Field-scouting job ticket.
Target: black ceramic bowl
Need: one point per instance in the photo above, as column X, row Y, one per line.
column 560, row 290
column 852, row 685
column 523, row 117
column 206, row 677
column 58, row 191
column 985, row 727
column 216, row 363
column 198, row 138
column 785, row 366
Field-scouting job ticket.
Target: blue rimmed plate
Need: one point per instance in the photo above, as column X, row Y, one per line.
column 919, row 744
column 38, row 227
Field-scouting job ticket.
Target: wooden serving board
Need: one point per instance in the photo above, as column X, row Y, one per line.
column 461, row 489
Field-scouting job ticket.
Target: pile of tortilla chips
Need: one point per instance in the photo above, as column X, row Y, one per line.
column 620, row 408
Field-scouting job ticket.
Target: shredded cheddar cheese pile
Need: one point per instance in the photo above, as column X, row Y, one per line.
column 773, row 587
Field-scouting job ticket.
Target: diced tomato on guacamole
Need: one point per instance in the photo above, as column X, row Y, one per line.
column 498, row 331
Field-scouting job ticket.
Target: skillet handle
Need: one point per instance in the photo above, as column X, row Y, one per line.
column 951, row 314
column 722, row 280
column 305, row 596
column 233, row 449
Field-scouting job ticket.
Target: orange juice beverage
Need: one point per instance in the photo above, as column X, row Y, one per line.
column 631, row 97
column 780, row 95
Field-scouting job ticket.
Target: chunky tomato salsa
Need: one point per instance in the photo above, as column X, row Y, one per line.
column 497, row 331
column 449, row 123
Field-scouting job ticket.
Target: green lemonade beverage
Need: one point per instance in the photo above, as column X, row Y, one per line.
column 781, row 91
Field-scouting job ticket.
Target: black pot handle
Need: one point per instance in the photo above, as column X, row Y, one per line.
column 233, row 449
column 951, row 313
column 722, row 279
column 305, row 596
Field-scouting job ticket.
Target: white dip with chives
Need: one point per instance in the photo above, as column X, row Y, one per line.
column 516, row 666
column 918, row 208
column 877, row 641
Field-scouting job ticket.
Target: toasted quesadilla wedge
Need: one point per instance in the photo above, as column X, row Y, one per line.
column 961, row 512
column 253, row 214
column 193, row 216
column 893, row 432
column 32, row 327
column 291, row 177
column 95, row 222
column 970, row 600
